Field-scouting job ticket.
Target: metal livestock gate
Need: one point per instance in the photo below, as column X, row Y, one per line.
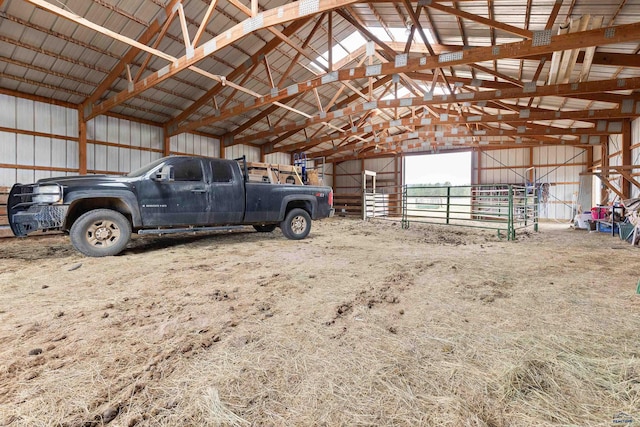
column 505, row 208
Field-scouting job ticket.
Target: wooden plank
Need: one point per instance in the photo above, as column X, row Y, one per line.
column 276, row 173
column 590, row 52
column 4, row 195
column 569, row 57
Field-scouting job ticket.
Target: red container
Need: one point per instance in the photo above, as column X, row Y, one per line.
column 599, row 212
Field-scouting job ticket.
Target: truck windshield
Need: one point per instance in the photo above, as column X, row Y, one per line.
column 146, row 168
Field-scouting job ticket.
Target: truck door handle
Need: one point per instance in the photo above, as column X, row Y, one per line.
column 198, row 190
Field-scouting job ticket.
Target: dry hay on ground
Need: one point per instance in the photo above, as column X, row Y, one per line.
column 363, row 323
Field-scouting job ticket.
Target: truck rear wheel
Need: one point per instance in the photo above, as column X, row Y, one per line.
column 100, row 232
column 265, row 228
column 296, row 224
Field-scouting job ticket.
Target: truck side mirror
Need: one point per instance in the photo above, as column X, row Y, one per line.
column 164, row 174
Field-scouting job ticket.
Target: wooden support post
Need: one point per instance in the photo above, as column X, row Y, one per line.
column 626, row 157
column 604, row 167
column 166, row 145
column 479, row 167
column 532, row 172
column 589, row 151
column 330, row 39
column 82, row 142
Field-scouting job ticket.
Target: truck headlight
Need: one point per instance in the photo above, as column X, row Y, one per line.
column 47, row 194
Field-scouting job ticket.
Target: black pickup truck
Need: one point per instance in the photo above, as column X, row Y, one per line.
column 172, row 194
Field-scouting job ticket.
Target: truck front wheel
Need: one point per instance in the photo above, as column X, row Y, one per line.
column 296, row 224
column 100, row 232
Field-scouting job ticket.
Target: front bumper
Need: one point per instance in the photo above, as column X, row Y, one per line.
column 38, row 217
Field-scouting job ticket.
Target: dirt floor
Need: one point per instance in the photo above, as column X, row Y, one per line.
column 362, row 323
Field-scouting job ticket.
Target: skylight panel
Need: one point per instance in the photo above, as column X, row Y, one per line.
column 402, row 92
column 355, row 41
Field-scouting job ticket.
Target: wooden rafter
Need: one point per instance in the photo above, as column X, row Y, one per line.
column 522, row 116
column 339, row 110
column 574, row 40
column 237, row 72
column 482, row 20
column 204, row 23
column 431, row 131
column 279, row 15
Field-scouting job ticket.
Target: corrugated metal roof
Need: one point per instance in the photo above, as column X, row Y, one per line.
column 47, row 55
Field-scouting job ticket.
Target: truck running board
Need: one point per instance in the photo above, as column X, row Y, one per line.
column 189, row 230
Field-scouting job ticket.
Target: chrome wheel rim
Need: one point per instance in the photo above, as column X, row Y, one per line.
column 103, row 233
column 298, row 224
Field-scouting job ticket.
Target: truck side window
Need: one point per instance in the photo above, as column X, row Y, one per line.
column 221, row 172
column 187, row 170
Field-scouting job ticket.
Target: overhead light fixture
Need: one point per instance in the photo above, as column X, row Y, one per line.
column 409, row 26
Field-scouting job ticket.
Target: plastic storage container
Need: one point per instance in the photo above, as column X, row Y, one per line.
column 599, row 212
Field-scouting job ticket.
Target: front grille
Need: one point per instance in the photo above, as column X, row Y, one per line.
column 22, row 195
column 51, row 216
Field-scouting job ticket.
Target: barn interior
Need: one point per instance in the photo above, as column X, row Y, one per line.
column 524, row 318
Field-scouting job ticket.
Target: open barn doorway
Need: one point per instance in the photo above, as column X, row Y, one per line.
column 438, row 169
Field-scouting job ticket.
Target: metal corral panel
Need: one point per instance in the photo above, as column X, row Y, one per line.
column 236, row 151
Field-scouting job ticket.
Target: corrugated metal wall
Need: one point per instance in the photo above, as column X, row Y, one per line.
column 503, row 166
column 560, row 167
column 328, row 175
column 236, row 151
column 557, row 166
column 120, row 146
column 388, row 179
column 200, row 145
column 35, row 138
column 278, row 158
column 39, row 140
column 347, row 176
